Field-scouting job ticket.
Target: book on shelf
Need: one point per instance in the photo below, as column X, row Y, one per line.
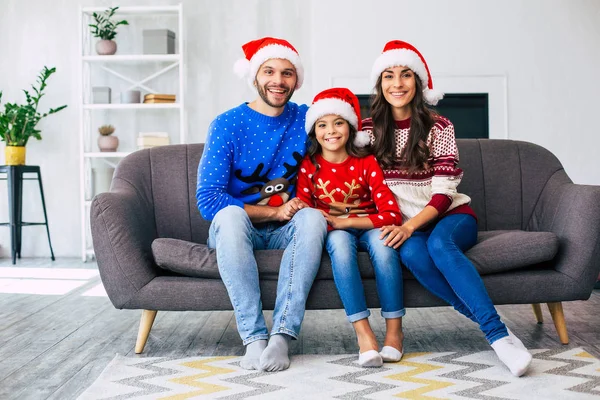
column 153, row 134
column 158, row 101
column 147, row 140
column 160, row 96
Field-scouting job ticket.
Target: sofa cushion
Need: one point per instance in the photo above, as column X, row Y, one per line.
column 498, row 251
column 495, row 251
column 198, row 260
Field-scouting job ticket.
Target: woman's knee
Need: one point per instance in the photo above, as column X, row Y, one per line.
column 411, row 252
column 437, row 245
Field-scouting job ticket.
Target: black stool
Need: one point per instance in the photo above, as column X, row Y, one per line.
column 14, row 176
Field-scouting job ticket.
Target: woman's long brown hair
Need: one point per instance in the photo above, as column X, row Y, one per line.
column 416, row 153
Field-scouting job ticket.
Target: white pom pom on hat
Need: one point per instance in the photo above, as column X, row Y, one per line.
column 342, row 102
column 258, row 51
column 398, row 53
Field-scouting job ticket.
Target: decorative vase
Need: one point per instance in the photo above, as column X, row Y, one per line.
column 15, row 155
column 106, row 47
column 108, row 143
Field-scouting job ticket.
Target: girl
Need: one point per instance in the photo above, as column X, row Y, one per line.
column 417, row 150
column 340, row 179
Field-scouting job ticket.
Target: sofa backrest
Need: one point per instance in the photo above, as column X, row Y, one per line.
column 504, row 179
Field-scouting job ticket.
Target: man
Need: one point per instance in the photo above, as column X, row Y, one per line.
column 245, row 178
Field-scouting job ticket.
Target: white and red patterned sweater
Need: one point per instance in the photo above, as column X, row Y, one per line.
column 434, row 186
column 353, row 188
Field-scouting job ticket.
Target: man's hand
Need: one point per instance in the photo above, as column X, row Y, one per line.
column 396, row 235
column 287, row 210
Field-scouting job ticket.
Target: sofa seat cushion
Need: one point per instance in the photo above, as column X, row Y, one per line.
column 495, row 251
column 499, row 251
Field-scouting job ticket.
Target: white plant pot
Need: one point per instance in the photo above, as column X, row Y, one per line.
column 108, row 143
column 106, row 47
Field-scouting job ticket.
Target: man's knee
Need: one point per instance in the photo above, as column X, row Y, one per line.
column 233, row 223
column 312, row 220
column 231, row 216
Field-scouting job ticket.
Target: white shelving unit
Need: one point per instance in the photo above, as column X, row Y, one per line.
column 133, row 71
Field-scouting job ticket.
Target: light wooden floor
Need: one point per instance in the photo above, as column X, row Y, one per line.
column 53, row 346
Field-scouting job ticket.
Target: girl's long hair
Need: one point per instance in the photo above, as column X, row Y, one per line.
column 416, row 153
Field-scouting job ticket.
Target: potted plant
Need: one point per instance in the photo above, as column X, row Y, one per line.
column 106, row 29
column 18, row 121
column 106, row 142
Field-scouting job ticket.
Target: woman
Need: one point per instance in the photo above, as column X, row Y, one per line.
column 417, row 151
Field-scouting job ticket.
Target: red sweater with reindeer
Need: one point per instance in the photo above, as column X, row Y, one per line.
column 350, row 189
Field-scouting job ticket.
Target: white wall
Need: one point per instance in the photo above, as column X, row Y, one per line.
column 546, row 50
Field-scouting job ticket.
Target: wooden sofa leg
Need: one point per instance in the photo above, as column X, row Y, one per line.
column 558, row 317
column 145, row 326
column 537, row 310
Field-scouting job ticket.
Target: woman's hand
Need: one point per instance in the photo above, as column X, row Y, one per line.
column 394, row 236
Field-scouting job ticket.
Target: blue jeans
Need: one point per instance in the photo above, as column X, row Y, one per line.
column 436, row 258
column 342, row 246
column 235, row 238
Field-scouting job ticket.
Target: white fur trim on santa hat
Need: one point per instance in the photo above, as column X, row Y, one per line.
column 269, row 52
column 432, row 96
column 241, row 67
column 327, row 107
column 362, row 139
column 400, row 57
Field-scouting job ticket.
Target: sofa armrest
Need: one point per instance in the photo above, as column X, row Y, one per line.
column 123, row 228
column 572, row 212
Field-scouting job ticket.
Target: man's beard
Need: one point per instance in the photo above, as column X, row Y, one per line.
column 262, row 92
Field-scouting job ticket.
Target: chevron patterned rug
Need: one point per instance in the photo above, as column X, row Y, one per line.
column 554, row 374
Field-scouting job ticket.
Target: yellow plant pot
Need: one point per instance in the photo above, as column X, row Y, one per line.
column 15, row 155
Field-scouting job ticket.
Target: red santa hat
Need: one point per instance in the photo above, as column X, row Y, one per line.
column 399, row 53
column 258, row 51
column 338, row 101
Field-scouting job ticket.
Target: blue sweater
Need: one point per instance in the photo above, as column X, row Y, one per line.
column 250, row 158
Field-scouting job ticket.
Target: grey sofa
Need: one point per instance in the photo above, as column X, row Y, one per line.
column 538, row 241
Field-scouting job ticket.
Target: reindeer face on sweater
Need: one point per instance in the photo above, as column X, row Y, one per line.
column 273, row 192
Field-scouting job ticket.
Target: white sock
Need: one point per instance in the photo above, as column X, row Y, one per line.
column 516, row 340
column 390, row 354
column 275, row 357
column 251, row 358
column 370, row 359
column 514, row 357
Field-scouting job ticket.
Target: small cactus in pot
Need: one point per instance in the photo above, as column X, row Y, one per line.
column 106, row 142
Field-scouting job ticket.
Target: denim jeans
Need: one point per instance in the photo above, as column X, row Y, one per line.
column 235, row 238
column 342, row 246
column 436, row 258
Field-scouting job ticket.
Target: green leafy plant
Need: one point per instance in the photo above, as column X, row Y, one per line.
column 105, row 28
column 18, row 121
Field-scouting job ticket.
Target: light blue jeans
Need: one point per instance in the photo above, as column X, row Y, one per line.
column 436, row 258
column 235, row 238
column 342, row 246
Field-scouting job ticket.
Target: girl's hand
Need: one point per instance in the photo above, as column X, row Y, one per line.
column 396, row 235
column 335, row 222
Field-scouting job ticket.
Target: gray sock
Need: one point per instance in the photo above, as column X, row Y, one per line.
column 275, row 357
column 251, row 358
